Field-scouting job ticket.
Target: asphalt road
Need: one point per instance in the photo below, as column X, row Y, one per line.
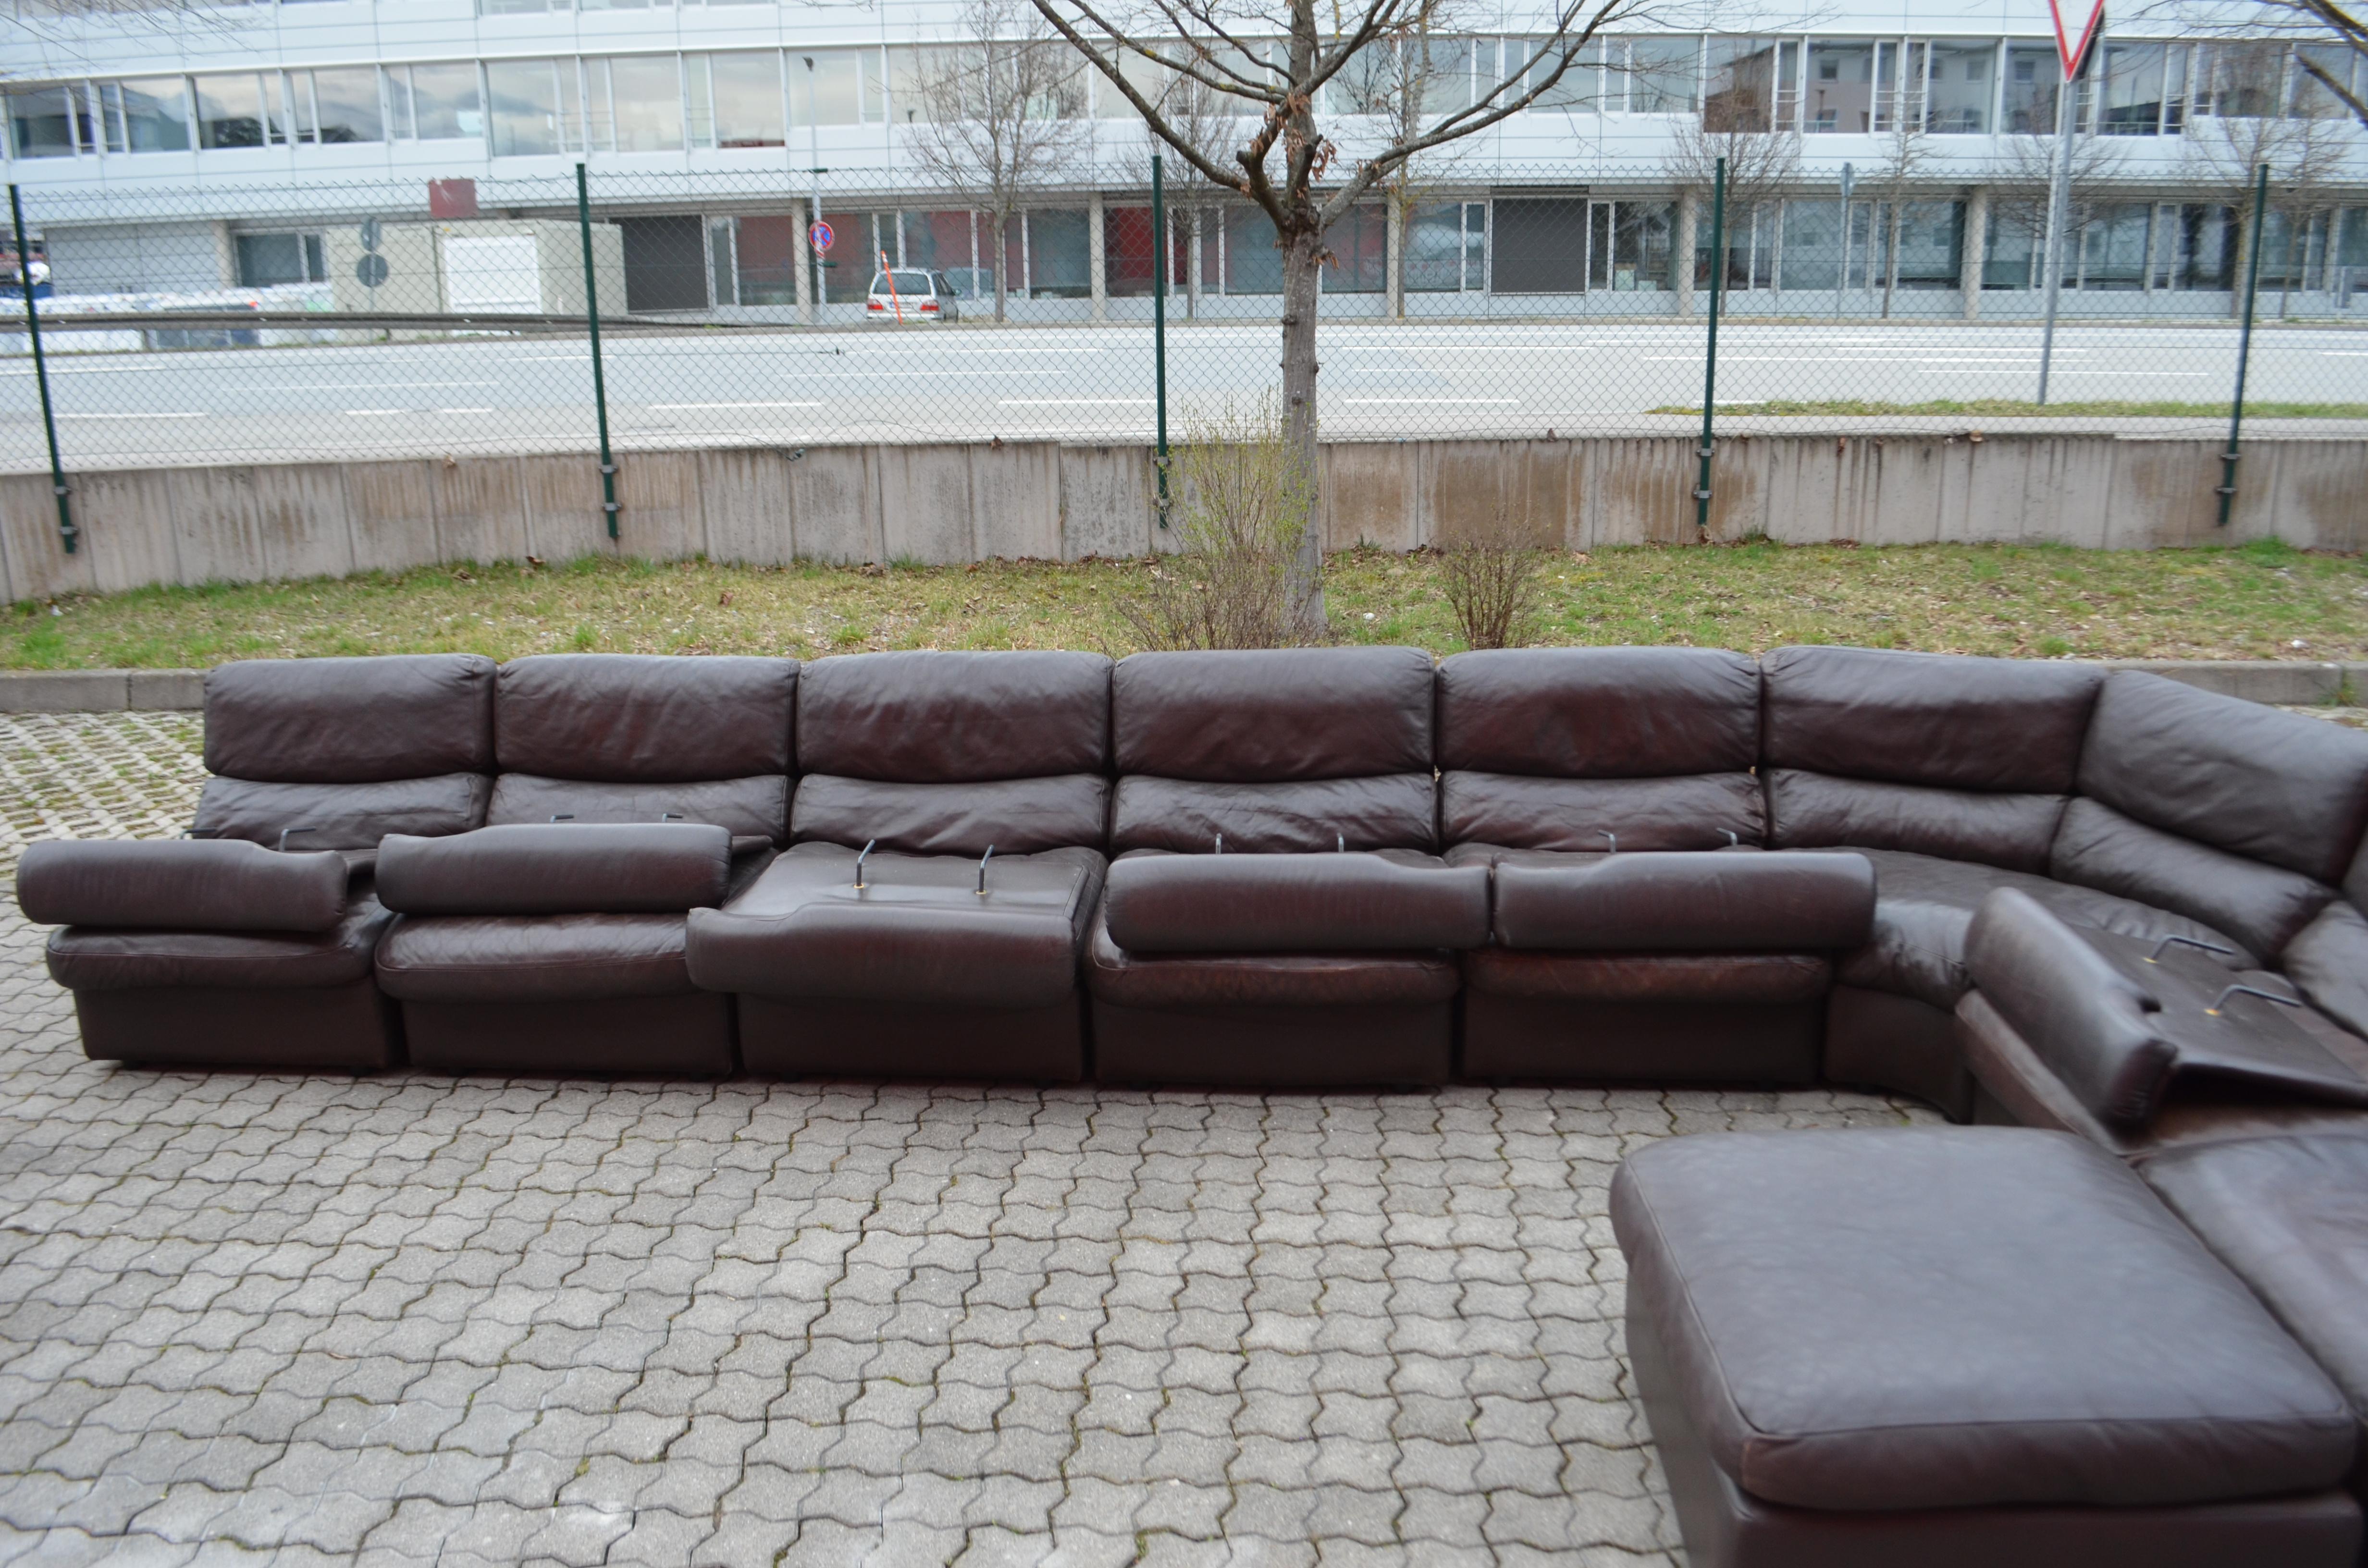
column 1379, row 380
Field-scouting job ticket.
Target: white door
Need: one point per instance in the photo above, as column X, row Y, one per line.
column 491, row 272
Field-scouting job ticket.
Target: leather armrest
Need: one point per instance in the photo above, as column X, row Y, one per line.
column 194, row 884
column 1702, row 901
column 2094, row 1027
column 1265, row 904
column 558, row 868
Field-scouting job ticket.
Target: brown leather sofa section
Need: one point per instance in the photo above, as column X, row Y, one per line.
column 1876, row 1038
column 1704, row 811
column 190, row 884
column 952, row 718
column 755, row 807
column 2003, row 725
column 563, row 869
column 2329, row 961
column 1012, row 816
column 87, row 959
column 674, row 1035
column 1891, row 1320
column 2275, row 788
column 1599, row 712
column 645, row 719
column 1388, row 811
column 2097, row 1030
column 1714, row 902
column 1276, row 716
column 1809, row 811
column 346, row 1027
column 350, row 720
column 2260, row 905
column 505, row 958
column 340, row 816
column 1269, row 904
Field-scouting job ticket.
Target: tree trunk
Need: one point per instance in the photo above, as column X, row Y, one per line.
column 1002, row 254
column 1396, row 244
column 1302, row 274
column 1891, row 259
column 1192, row 264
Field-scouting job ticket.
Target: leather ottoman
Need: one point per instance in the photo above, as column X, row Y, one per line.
column 1963, row 1347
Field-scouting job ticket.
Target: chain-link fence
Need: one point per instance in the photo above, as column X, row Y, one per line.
column 452, row 317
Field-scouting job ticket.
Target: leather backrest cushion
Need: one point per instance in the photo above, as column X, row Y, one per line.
column 561, row 868
column 2250, row 779
column 2261, row 906
column 756, row 807
column 644, row 718
column 341, row 816
column 1599, row 712
column 2090, row 1025
column 350, row 720
column 1936, row 719
column 2329, row 961
column 2356, row 882
column 1813, row 811
column 1269, row 716
column 187, row 884
column 1015, row 816
column 1520, row 813
column 1741, row 900
column 1395, row 812
column 943, row 718
column 1264, row 904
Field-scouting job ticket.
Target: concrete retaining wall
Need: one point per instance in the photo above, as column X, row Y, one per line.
column 958, row 502
column 2295, row 682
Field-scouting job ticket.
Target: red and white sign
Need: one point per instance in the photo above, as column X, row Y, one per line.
column 2065, row 50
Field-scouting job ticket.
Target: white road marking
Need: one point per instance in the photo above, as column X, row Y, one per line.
column 65, row 415
column 658, row 406
column 1068, row 402
column 1461, row 400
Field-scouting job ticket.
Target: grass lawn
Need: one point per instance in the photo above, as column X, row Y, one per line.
column 1999, row 407
column 2261, row 600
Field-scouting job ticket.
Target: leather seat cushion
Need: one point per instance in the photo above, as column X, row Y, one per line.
column 1956, row 1318
column 1276, row 980
column 83, row 958
column 2290, row 1215
column 755, row 807
column 533, row 957
column 917, row 932
column 1923, row 907
column 340, row 816
column 1389, row 900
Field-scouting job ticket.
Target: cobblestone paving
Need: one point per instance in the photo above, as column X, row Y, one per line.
column 408, row 1319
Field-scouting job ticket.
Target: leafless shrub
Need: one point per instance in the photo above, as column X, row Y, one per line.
column 1493, row 583
column 1243, row 504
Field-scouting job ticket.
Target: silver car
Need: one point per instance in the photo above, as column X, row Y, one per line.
column 904, row 294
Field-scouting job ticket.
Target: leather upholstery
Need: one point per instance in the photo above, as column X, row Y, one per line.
column 1879, row 1319
column 2278, row 787
column 1599, row 712
column 2011, row 725
column 1271, row 716
column 2329, row 961
column 350, row 720
column 1810, row 811
column 756, row 807
column 1769, row 979
column 558, row 868
column 194, row 884
column 1876, row 1039
column 1268, row 903
column 84, row 958
column 341, row 816
column 917, row 934
column 1924, row 904
column 1716, row 903
column 1386, row 812
column 1144, row 981
column 2097, row 1029
column 2290, row 1215
column 946, row 718
column 1695, row 812
column 1016, row 816
column 2260, row 906
column 513, row 958
column 644, row 718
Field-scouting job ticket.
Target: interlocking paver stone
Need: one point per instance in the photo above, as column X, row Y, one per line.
column 402, row 1319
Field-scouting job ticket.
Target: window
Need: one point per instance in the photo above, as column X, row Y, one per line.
column 435, row 103
column 1898, row 85
column 1580, row 90
column 2310, row 98
column 1628, row 244
column 1447, row 248
column 240, row 111
column 267, row 261
column 2134, row 90
column 518, row 7
column 748, row 99
column 1253, row 263
column 645, row 103
column 343, row 107
column 1840, row 98
column 1739, row 93
column 41, row 121
column 1963, row 85
column 765, row 256
column 2239, row 80
column 1931, row 234
column 1360, row 247
column 1662, row 75
column 2114, row 248
column 1812, row 244
column 526, row 107
column 1446, row 78
column 151, row 115
column 1057, row 266
column 2032, row 75
column 825, row 88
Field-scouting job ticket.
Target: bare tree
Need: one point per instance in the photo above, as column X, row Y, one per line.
column 1209, row 121
column 1002, row 116
column 2021, row 174
column 2246, row 116
column 1907, row 152
column 1761, row 163
column 1287, row 165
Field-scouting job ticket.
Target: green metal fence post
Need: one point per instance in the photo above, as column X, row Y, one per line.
column 1164, row 258
column 69, row 535
column 600, row 377
column 2244, row 348
column 1710, row 356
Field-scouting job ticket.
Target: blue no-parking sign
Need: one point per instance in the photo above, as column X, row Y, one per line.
column 821, row 237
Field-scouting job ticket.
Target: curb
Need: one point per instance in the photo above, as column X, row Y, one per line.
column 2287, row 682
